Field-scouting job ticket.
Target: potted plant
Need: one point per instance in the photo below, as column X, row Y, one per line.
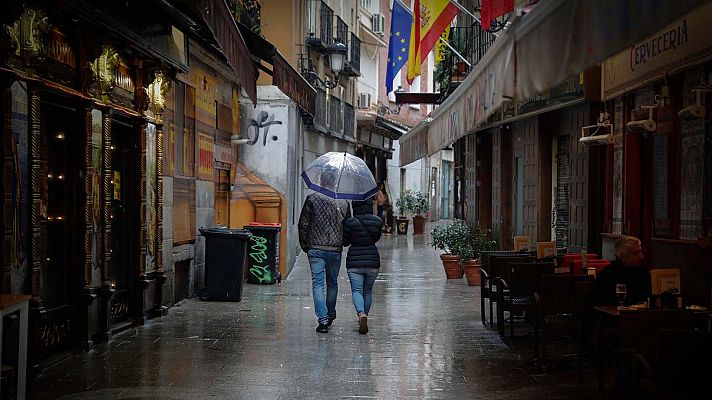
column 420, row 205
column 479, row 240
column 403, row 204
column 451, row 238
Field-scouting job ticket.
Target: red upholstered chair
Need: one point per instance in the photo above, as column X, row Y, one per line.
column 577, row 265
column 568, row 259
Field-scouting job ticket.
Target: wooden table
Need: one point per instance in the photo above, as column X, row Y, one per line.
column 11, row 303
column 610, row 316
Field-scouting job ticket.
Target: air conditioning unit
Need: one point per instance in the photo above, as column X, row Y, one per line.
column 378, row 23
column 364, row 101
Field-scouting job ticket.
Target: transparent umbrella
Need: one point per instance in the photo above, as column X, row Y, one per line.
column 340, row 176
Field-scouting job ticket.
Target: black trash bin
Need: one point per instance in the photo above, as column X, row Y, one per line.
column 225, row 255
column 263, row 253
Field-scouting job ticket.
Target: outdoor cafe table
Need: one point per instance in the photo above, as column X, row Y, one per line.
column 11, row 303
column 610, row 316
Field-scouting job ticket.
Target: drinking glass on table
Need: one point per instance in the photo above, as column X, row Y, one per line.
column 621, row 291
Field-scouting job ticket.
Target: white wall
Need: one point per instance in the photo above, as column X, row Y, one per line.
column 415, row 173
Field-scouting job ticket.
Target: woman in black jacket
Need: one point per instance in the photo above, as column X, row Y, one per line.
column 361, row 232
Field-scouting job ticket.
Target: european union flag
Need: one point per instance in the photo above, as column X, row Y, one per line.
column 401, row 21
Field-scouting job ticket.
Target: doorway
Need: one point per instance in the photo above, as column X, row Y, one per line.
column 61, row 276
column 445, row 189
column 123, row 273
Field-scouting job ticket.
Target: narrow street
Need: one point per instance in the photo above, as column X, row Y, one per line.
column 426, row 340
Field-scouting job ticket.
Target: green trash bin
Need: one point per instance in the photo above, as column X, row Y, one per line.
column 263, row 253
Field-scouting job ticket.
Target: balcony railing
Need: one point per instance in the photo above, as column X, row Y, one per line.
column 353, row 65
column 336, row 117
column 472, row 43
column 342, row 31
column 320, row 24
column 320, row 122
column 349, row 123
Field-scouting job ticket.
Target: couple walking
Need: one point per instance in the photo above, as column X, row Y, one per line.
column 325, row 226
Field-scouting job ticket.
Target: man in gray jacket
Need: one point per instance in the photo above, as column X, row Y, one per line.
column 320, row 236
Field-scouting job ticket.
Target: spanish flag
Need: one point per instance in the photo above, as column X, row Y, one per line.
column 430, row 18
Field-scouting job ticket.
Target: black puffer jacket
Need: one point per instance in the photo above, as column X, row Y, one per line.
column 361, row 232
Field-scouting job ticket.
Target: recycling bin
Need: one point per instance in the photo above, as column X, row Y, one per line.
column 225, row 256
column 263, row 253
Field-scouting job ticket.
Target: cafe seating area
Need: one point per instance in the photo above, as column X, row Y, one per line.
column 543, row 306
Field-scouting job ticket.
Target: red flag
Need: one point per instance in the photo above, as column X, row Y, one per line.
column 491, row 9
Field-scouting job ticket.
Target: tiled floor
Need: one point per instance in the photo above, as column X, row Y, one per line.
column 425, row 341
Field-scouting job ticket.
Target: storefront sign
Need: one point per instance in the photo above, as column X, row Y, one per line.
column 293, row 85
column 206, row 163
column 414, row 145
column 683, row 43
column 206, row 91
column 223, row 154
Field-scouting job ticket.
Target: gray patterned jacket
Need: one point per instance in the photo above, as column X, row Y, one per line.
column 321, row 222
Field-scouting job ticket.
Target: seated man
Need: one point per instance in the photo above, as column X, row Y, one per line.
column 628, row 269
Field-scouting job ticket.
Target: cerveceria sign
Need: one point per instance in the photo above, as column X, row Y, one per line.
column 679, row 45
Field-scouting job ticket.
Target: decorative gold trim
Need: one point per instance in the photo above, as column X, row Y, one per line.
column 35, row 182
column 156, row 96
column 6, row 179
column 88, row 200
column 26, row 35
column 103, row 69
column 159, row 198
column 142, row 194
column 106, row 194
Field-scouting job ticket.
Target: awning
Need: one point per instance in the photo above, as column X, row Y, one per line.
column 395, row 129
column 562, row 37
column 219, row 20
column 483, row 91
column 552, row 42
column 414, row 145
column 284, row 76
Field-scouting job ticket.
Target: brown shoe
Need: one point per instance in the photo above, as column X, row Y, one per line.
column 363, row 324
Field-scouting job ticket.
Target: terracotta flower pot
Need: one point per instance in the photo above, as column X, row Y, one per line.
column 418, row 225
column 472, row 271
column 451, row 263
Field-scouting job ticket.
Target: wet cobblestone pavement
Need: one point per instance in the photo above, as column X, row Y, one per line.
column 425, row 341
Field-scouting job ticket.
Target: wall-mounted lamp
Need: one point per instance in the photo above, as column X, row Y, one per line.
column 694, row 111
column 337, row 58
column 384, row 109
column 646, row 125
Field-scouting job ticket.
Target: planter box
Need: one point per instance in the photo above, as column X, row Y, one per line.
column 472, row 271
column 418, row 225
column 451, row 264
column 402, row 226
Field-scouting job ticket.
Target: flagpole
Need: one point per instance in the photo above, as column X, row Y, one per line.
column 455, row 51
column 466, row 11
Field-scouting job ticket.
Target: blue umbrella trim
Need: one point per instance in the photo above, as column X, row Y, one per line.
column 342, row 196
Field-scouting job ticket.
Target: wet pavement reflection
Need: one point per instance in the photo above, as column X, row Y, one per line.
column 425, row 340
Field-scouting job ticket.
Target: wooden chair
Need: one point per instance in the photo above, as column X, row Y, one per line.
column 517, row 289
column 557, row 308
column 488, row 275
column 485, row 257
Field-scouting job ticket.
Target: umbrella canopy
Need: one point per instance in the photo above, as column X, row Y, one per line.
column 340, row 176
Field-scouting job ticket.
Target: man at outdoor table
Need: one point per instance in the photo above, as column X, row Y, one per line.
column 627, row 269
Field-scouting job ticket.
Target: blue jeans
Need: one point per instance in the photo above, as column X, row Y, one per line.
column 322, row 263
column 362, row 280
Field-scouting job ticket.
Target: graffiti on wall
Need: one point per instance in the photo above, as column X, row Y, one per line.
column 259, row 126
column 259, row 265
